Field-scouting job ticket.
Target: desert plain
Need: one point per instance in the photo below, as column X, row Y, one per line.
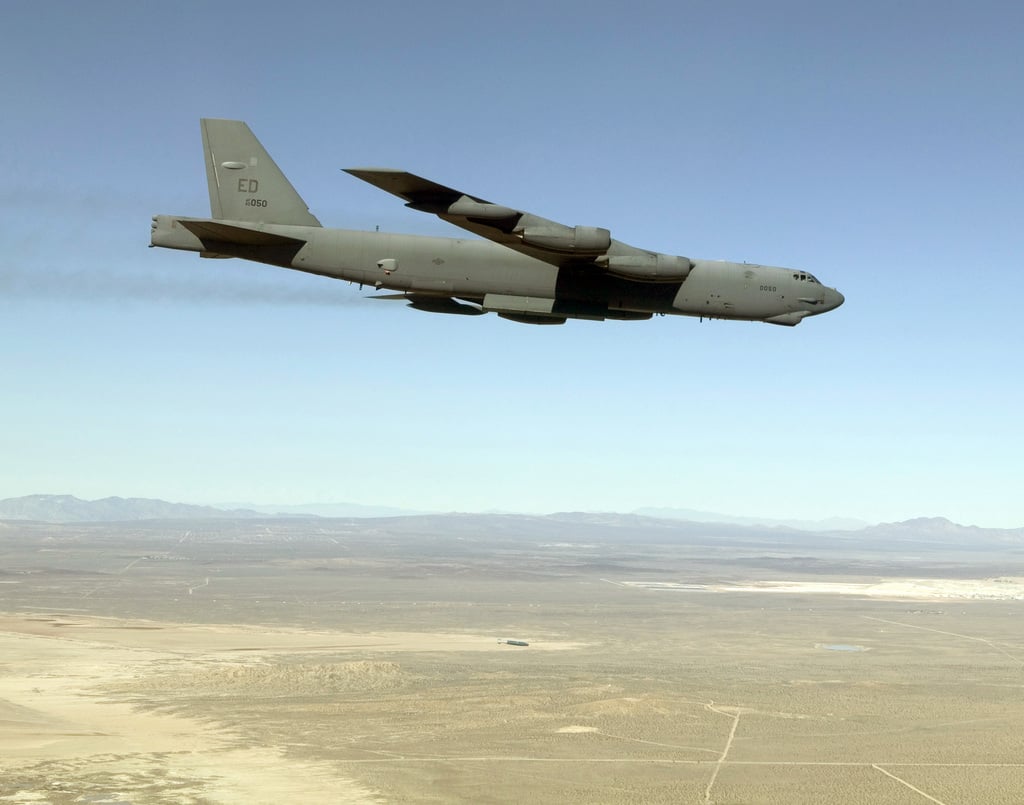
column 364, row 661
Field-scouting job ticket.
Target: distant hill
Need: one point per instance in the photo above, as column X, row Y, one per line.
column 323, row 509
column 941, row 530
column 69, row 509
column 831, row 524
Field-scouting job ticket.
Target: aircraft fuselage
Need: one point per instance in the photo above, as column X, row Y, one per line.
column 470, row 269
column 525, row 268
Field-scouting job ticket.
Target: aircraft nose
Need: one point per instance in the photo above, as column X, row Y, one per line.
column 833, row 298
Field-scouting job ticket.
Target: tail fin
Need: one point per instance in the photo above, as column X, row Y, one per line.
column 245, row 183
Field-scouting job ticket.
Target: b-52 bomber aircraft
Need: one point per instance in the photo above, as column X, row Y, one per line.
column 528, row 269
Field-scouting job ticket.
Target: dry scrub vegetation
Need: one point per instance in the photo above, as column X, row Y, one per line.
column 371, row 672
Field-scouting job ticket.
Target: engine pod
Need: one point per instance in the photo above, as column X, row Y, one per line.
column 572, row 239
column 647, row 267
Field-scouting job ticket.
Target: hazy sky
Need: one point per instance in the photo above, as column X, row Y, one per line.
column 878, row 144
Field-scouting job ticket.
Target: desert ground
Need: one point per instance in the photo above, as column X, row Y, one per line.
column 333, row 661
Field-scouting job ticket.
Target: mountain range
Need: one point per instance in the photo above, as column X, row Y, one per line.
column 932, row 530
column 69, row 509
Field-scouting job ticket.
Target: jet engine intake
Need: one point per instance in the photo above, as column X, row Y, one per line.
column 647, row 267
column 573, row 239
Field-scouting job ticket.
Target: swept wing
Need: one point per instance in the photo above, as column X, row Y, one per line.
column 526, row 233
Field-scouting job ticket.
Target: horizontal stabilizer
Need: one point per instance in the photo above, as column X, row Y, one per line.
column 240, row 235
column 220, row 239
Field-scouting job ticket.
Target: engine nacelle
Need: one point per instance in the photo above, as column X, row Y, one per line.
column 647, row 267
column 572, row 239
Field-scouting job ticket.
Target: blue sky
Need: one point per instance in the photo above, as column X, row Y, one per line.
column 879, row 145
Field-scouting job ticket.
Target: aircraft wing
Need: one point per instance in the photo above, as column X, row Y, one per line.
column 521, row 231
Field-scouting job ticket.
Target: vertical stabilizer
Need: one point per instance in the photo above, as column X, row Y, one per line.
column 245, row 183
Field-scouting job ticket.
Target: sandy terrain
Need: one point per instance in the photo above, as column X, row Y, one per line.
column 196, row 640
column 329, row 662
column 51, row 713
column 54, row 669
